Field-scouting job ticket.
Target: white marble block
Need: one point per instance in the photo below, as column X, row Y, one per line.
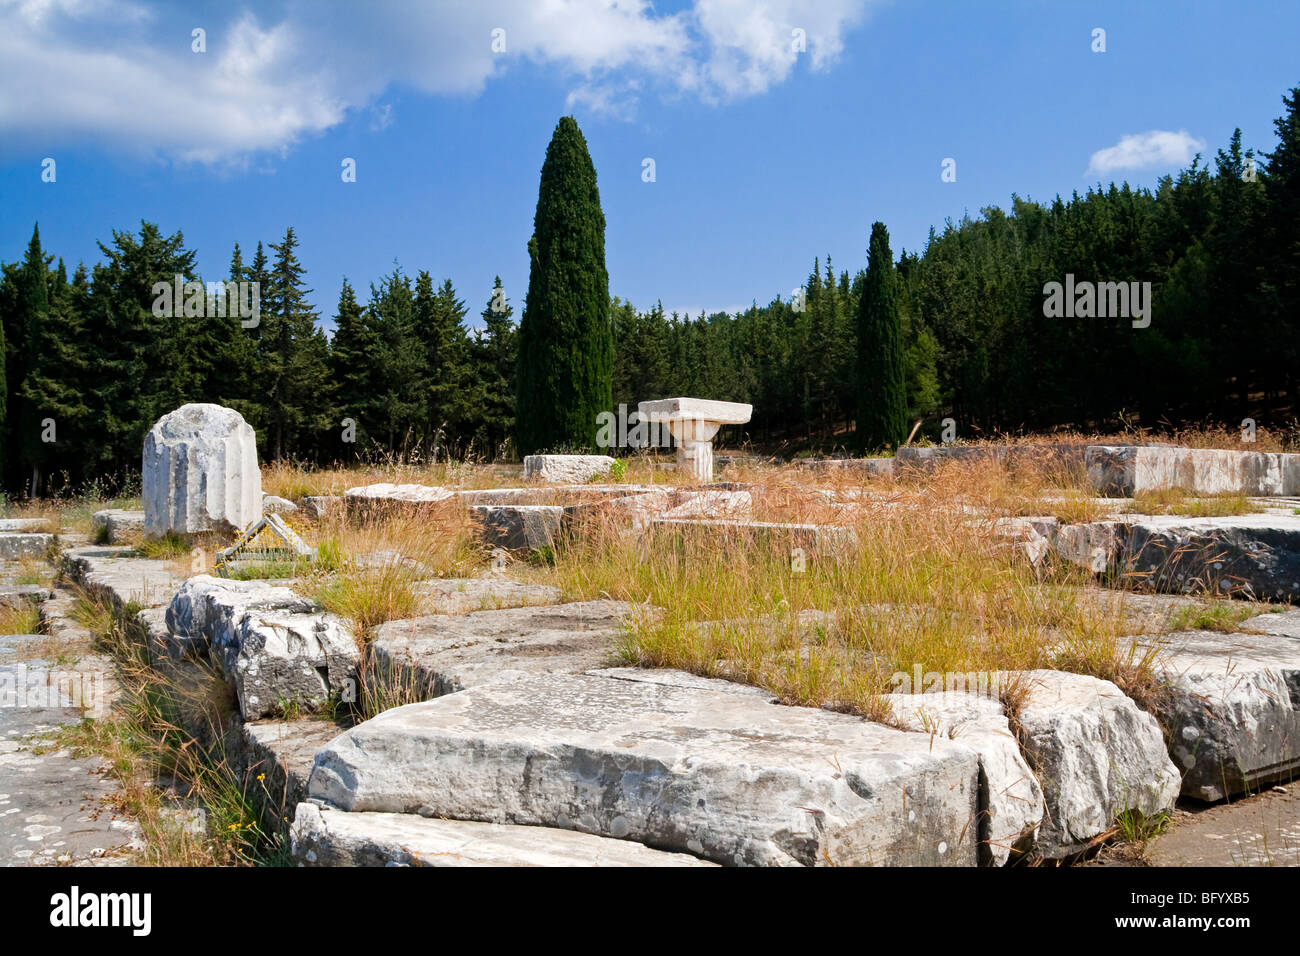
column 694, row 422
column 199, row 472
column 566, row 469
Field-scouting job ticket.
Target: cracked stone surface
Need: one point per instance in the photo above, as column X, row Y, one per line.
column 55, row 808
column 720, row 772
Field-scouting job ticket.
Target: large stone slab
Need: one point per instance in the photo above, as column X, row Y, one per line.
column 199, row 472
column 1011, row 808
column 122, row 575
column 117, row 525
column 275, row 505
column 1253, row 555
column 441, row 654
column 1231, row 706
column 520, row 527
column 1096, row 755
column 18, row 595
column 566, row 469
column 275, row 647
column 1246, row 555
column 277, row 757
column 710, row 503
column 27, row 524
column 381, row 492
column 321, row 836
column 870, row 467
column 464, row 595
column 1058, row 459
column 727, row 776
column 1132, row 470
column 318, row 506
column 782, row 537
column 16, row 545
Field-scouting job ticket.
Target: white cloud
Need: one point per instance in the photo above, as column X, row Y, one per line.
column 122, row 71
column 1158, row 148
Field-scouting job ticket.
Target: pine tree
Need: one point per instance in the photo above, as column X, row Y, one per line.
column 566, row 345
column 53, row 388
column 1282, row 239
column 398, row 394
column 142, row 362
column 293, row 356
column 24, row 317
column 352, row 360
column 439, row 318
column 882, row 393
column 493, row 358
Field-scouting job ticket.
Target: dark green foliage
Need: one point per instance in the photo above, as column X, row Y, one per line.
column 493, row 356
column 566, row 346
column 882, row 391
column 292, row 354
column 352, row 362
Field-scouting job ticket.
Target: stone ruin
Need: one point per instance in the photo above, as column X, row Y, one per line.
column 199, row 472
column 528, row 747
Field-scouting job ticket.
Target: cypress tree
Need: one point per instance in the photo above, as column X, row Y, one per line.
column 882, row 392
column 566, row 342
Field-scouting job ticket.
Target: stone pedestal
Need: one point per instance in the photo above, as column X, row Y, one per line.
column 199, row 472
column 693, row 423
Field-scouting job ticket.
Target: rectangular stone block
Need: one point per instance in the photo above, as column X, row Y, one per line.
column 725, row 775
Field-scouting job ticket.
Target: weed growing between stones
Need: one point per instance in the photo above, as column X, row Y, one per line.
column 366, row 569
column 924, row 577
column 1177, row 501
column 165, row 548
column 167, row 742
column 1217, row 614
column 22, row 617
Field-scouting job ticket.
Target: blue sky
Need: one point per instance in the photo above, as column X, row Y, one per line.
column 764, row 156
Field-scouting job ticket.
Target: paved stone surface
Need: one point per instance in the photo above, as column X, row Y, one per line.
column 325, row 837
column 441, row 654
column 55, row 808
column 725, row 775
column 494, row 592
column 123, row 575
column 1263, row 830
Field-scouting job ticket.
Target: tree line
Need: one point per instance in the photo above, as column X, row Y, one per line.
column 957, row 330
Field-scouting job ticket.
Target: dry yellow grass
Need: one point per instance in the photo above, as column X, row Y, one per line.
column 367, row 568
column 927, row 582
